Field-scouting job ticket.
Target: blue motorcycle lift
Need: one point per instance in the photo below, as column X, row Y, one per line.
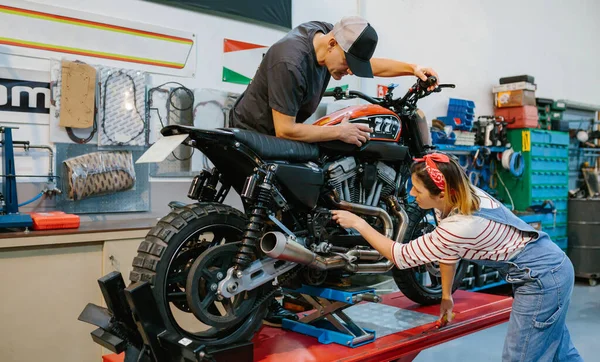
column 329, row 323
column 10, row 217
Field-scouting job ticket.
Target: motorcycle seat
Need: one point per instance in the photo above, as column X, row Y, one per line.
column 274, row 148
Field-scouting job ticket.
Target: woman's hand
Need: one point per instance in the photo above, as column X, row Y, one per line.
column 446, row 315
column 346, row 219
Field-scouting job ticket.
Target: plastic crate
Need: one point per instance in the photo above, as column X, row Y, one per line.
column 558, row 232
column 467, row 283
column 461, row 102
column 558, row 106
column 548, row 219
column 562, row 243
column 559, row 204
column 550, row 178
column 463, row 116
column 519, row 117
column 457, row 123
column 544, row 158
column 549, row 137
column 461, row 110
column 548, row 164
column 545, row 150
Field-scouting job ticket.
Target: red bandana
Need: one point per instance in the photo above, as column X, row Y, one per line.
column 435, row 174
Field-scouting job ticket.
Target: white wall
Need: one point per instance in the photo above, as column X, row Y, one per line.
column 473, row 43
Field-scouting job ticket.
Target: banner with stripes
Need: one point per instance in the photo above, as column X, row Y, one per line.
column 37, row 30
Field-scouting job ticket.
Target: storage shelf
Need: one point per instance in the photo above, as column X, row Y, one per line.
column 466, row 149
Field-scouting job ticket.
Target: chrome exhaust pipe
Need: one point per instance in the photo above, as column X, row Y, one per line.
column 388, row 264
column 278, row 246
column 388, row 225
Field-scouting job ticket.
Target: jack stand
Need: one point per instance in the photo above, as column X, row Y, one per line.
column 131, row 323
column 10, row 217
column 329, row 323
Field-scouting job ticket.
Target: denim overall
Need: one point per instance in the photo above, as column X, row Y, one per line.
column 542, row 277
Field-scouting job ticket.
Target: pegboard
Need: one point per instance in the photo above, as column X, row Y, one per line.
column 121, row 107
column 136, row 199
column 210, row 110
column 170, row 106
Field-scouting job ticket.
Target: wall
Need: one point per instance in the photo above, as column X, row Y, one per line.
column 473, row 43
column 210, row 32
column 470, row 43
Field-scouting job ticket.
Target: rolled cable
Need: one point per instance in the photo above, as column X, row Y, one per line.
column 506, row 155
column 474, row 178
column 517, row 164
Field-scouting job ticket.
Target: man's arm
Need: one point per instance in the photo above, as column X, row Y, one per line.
column 286, row 127
column 393, row 68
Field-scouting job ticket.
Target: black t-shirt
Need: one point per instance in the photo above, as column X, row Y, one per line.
column 288, row 80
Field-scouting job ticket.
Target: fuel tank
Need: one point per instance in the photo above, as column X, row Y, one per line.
column 385, row 124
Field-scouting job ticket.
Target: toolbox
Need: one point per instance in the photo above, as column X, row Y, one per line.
column 514, row 98
column 517, row 78
column 54, row 220
column 519, row 117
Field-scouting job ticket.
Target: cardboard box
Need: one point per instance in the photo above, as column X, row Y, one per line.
column 514, row 98
column 514, row 86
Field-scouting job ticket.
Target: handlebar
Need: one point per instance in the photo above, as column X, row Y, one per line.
column 424, row 84
column 418, row 90
column 338, row 93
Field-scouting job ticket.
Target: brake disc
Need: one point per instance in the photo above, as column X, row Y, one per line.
column 202, row 284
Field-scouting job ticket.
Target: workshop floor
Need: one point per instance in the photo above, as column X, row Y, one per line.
column 583, row 320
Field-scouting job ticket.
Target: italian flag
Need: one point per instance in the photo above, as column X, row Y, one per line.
column 241, row 60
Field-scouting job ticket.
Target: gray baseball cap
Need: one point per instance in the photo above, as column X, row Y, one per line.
column 358, row 40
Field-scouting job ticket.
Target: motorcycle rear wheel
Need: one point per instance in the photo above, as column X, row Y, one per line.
column 166, row 256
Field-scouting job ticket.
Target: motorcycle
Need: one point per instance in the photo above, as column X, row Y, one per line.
column 213, row 268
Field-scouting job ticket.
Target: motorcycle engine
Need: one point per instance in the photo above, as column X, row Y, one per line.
column 361, row 183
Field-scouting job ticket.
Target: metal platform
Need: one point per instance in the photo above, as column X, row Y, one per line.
column 474, row 312
column 402, row 328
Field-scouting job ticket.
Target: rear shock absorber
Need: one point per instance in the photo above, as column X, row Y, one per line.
column 255, row 227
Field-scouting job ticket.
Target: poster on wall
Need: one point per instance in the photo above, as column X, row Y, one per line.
column 24, row 96
column 241, row 60
column 270, row 12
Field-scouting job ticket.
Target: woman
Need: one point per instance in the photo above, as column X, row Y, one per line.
column 474, row 226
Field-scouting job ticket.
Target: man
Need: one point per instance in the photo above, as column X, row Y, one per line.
column 295, row 71
column 290, row 82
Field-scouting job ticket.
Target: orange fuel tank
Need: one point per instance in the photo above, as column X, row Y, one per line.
column 385, row 124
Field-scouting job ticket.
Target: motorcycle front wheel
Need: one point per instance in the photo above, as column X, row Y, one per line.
column 423, row 284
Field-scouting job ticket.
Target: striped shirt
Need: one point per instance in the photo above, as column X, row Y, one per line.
column 463, row 237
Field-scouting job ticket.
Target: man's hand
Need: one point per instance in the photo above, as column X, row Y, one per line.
column 346, row 219
column 354, row 133
column 423, row 73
